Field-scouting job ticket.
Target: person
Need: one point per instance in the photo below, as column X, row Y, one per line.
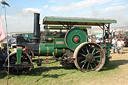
column 122, row 42
column 101, row 40
column 20, row 39
column 55, row 33
column 85, row 30
column 12, row 40
column 89, row 39
column 114, row 44
column 42, row 37
column 98, row 40
column 119, row 45
column 106, row 34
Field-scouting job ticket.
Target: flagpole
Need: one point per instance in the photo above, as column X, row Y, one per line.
column 7, row 44
column 4, row 3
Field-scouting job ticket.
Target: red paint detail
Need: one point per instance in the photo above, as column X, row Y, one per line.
column 26, row 49
column 49, row 39
column 90, row 57
column 47, row 60
column 76, row 39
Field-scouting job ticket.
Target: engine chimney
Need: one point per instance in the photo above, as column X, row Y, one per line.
column 36, row 28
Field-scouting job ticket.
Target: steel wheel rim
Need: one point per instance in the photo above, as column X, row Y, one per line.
column 89, row 57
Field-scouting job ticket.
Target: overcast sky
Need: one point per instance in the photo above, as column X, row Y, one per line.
column 20, row 12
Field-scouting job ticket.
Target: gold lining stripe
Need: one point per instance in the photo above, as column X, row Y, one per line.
column 47, row 51
column 55, row 52
column 63, row 51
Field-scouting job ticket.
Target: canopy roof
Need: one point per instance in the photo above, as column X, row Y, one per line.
column 51, row 20
column 64, row 28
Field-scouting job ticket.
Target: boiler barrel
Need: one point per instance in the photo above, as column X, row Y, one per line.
column 48, row 50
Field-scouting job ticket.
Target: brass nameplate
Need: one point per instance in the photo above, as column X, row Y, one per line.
column 60, row 42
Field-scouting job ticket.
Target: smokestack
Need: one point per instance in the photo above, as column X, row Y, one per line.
column 36, row 28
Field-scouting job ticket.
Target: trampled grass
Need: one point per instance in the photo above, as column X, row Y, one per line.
column 54, row 74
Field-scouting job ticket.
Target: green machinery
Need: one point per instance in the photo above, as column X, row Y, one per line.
column 70, row 45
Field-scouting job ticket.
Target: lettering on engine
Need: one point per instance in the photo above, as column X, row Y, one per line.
column 60, row 42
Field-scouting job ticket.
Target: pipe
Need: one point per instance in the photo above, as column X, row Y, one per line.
column 36, row 28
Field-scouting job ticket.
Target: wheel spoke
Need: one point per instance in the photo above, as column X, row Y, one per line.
column 83, row 51
column 82, row 61
column 96, row 52
column 84, row 64
column 81, row 58
column 88, row 66
column 97, row 56
column 97, row 61
column 82, row 54
column 93, row 50
column 87, row 50
column 91, row 66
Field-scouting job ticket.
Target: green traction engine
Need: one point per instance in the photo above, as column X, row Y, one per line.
column 70, row 45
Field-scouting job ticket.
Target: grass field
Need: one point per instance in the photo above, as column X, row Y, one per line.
column 115, row 73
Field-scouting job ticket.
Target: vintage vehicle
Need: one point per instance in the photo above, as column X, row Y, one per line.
column 70, row 47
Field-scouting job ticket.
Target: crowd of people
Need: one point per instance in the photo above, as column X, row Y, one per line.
column 117, row 44
column 3, row 56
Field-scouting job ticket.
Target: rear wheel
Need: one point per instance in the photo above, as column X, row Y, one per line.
column 89, row 57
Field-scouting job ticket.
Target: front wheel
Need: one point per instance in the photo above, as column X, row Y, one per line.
column 18, row 69
column 89, row 57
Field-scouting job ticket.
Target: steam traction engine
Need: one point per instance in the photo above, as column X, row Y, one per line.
column 71, row 47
